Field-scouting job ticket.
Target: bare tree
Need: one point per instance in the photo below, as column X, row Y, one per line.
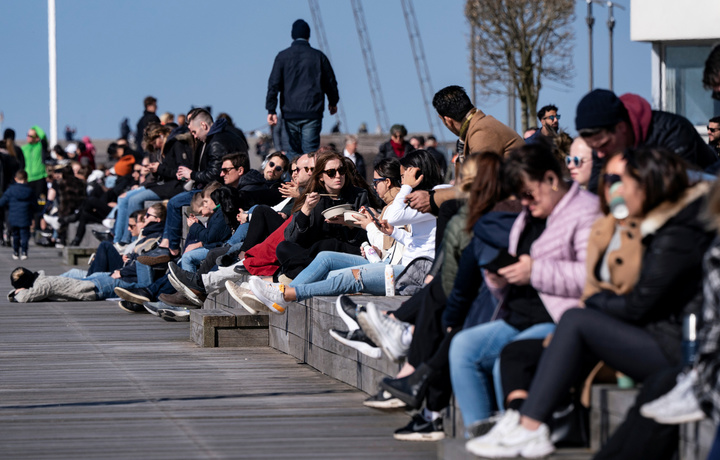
column 519, row 43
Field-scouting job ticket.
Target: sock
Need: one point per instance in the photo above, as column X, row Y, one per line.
column 515, row 404
column 429, row 415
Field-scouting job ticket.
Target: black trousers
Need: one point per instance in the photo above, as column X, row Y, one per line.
column 584, row 337
column 93, row 210
column 263, row 223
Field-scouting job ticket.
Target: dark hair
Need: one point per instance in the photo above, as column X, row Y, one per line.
column 711, row 74
column 398, row 128
column 714, row 119
column 21, row 175
column 531, row 161
column 238, row 160
column 662, row 175
column 22, row 277
column 137, row 215
column 453, row 102
column 59, row 151
column 315, row 184
column 148, row 101
column 548, row 108
column 389, row 168
column 201, row 114
column 160, row 210
column 421, row 139
column 423, row 160
column 281, row 156
column 229, row 200
column 228, row 118
column 488, row 187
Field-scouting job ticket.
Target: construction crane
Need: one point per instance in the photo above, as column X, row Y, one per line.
column 370, row 68
column 325, row 48
column 426, row 87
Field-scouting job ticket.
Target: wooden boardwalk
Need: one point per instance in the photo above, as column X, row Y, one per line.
column 86, row 380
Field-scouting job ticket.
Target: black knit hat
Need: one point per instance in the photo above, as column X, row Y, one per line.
column 22, row 277
column 300, row 29
column 599, row 107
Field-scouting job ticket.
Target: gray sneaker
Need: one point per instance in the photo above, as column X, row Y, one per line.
column 154, row 307
column 384, row 331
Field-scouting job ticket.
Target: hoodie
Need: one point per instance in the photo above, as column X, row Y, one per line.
column 34, row 157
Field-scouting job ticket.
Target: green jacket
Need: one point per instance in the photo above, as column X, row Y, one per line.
column 33, row 154
column 454, row 242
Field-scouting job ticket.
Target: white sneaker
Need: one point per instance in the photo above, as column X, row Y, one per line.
column 52, row 221
column 271, row 294
column 109, row 223
column 517, row 441
column 509, row 420
column 384, row 331
column 677, row 406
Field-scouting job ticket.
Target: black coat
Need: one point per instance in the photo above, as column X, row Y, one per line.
column 220, row 141
column 306, row 230
column 177, row 151
column 678, row 135
column 670, row 278
column 303, row 76
column 22, row 203
column 386, row 151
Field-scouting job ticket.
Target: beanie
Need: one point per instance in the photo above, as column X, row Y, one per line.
column 300, row 29
column 21, row 277
column 598, row 108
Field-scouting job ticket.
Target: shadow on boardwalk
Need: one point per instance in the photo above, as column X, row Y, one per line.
column 86, row 380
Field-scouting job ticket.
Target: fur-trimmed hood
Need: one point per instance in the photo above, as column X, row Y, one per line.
column 661, row 214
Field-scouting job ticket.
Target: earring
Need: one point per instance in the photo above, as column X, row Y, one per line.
column 554, row 187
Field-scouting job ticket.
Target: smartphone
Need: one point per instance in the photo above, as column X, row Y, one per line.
column 372, row 216
column 503, row 259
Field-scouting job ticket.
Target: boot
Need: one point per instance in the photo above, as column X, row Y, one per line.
column 411, row 389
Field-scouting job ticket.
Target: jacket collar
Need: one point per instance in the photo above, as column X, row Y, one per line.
column 665, row 211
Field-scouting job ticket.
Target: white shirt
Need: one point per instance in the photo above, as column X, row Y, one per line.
column 349, row 155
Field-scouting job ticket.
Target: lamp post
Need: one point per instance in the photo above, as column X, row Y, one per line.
column 611, row 26
column 590, row 20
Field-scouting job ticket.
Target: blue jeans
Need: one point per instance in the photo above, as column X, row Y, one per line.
column 473, row 353
column 105, row 285
column 133, row 201
column 192, row 259
column 304, row 136
column 144, row 274
column 370, row 280
column 75, row 273
column 173, row 221
column 324, row 263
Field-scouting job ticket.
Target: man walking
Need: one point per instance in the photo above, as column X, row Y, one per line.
column 303, row 76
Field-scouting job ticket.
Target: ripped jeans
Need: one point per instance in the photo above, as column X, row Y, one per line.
column 367, row 278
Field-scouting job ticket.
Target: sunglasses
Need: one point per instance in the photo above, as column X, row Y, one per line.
column 308, row 169
column 226, row 170
column 276, row 167
column 332, row 172
column 132, row 225
column 712, row 130
column 147, row 214
column 611, row 179
column 293, row 170
column 577, row 160
column 552, row 117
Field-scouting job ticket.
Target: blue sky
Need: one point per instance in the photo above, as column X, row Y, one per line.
column 112, row 54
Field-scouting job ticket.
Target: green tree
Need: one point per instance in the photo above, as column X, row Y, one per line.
column 518, row 44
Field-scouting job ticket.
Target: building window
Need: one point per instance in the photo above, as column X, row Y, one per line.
column 684, row 93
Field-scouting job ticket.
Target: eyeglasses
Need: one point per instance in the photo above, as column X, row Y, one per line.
column 577, row 160
column 332, row 172
column 276, row 167
column 552, row 117
column 611, row 179
column 377, row 181
column 712, row 130
column 226, row 170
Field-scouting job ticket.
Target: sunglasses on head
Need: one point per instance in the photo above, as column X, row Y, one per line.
column 577, row 160
column 332, row 172
column 276, row 167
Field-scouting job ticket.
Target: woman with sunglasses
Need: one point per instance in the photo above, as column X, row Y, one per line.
column 638, row 333
column 419, row 171
column 580, row 162
column 548, row 242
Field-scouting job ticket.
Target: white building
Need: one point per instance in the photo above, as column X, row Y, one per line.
column 682, row 33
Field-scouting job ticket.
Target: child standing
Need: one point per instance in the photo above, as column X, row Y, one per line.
column 22, row 203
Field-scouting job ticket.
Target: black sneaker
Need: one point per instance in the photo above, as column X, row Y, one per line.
column 153, row 307
column 383, row 400
column 420, row 429
column 346, row 308
column 131, row 307
column 103, row 236
column 187, row 283
column 174, row 314
column 357, row 340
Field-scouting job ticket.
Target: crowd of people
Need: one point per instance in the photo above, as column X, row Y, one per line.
column 533, row 267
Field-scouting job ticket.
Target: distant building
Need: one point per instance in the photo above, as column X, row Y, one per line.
column 682, row 35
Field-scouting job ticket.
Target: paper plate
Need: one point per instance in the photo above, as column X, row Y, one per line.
column 335, row 211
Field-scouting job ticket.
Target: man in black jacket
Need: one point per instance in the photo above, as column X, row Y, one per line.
column 147, row 118
column 303, row 76
column 216, row 141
